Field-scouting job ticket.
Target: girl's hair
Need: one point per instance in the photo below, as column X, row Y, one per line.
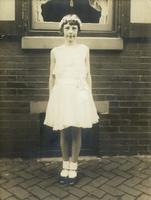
column 72, row 19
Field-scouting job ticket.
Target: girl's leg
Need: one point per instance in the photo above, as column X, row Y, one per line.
column 76, row 143
column 76, row 146
column 64, row 144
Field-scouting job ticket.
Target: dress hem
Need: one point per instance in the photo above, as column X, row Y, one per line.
column 59, row 129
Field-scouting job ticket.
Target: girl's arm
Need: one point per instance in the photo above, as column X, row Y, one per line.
column 88, row 78
column 52, row 76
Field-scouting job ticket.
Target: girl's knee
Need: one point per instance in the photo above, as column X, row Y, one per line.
column 76, row 132
column 65, row 135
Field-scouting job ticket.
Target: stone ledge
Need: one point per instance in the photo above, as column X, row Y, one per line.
column 98, row 43
column 40, row 107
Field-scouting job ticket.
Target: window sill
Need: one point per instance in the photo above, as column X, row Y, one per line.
column 98, row 43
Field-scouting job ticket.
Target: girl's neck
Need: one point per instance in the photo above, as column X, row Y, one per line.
column 67, row 43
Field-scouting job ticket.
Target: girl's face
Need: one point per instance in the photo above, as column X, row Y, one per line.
column 70, row 32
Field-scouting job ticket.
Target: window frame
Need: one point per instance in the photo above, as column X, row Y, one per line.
column 29, row 31
column 13, row 28
column 129, row 29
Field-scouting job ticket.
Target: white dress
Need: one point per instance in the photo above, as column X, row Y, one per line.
column 70, row 101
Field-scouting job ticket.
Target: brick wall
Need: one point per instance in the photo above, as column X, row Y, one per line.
column 124, row 78
column 121, row 77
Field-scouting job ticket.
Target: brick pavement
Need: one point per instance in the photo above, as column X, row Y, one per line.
column 106, row 178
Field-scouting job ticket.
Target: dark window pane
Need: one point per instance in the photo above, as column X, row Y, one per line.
column 54, row 10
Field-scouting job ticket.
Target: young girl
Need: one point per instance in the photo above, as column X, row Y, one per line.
column 71, row 105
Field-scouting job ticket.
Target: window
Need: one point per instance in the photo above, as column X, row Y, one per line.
column 100, row 27
column 8, row 11
column 98, row 16
column 95, row 14
column 143, row 7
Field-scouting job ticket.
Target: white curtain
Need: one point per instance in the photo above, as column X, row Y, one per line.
column 102, row 6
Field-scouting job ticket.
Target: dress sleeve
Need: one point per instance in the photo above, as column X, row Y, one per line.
column 88, row 77
column 52, row 62
column 52, row 70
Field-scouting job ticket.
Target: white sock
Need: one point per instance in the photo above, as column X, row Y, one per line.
column 65, row 169
column 73, row 169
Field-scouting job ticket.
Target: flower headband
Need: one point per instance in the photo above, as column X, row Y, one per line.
column 69, row 18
